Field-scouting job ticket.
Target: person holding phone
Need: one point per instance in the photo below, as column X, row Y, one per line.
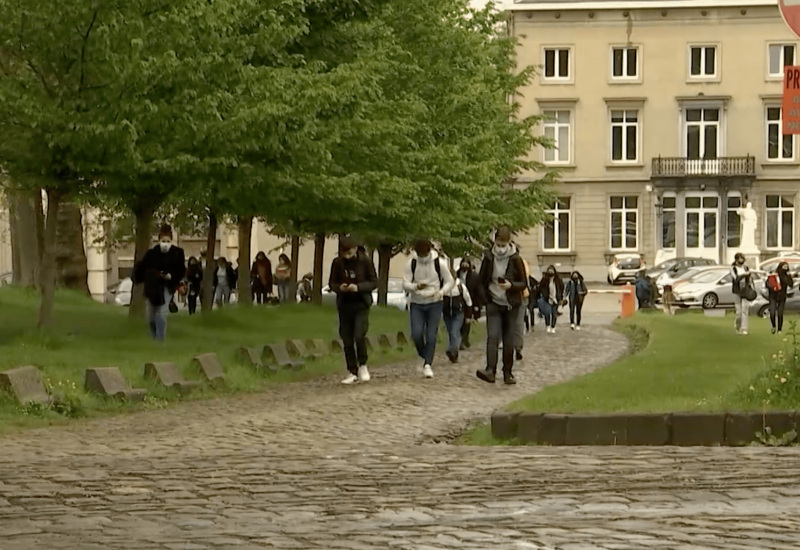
column 502, row 283
column 353, row 279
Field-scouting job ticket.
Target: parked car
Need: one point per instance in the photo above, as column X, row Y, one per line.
column 772, row 264
column 624, row 267
column 710, row 288
column 396, row 296
column 676, row 265
column 760, row 306
column 670, row 278
column 120, row 293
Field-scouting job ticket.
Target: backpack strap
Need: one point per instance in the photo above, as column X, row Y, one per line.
column 413, row 269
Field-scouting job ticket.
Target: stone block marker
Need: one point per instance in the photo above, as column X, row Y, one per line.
column 210, row 368
column 553, row 429
column 278, row 356
column 590, row 429
column 504, row 425
column 109, row 381
column 337, row 346
column 402, row 338
column 318, row 346
column 297, row 350
column 169, row 375
column 388, row 341
column 373, row 343
column 649, row 429
column 528, row 426
column 698, row 429
column 741, row 428
column 25, row 384
column 252, row 357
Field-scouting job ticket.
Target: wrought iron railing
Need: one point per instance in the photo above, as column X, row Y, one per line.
column 724, row 166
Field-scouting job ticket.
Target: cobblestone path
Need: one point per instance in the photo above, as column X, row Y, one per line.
column 318, row 465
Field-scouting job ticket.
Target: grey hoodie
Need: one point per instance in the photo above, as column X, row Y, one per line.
column 499, row 296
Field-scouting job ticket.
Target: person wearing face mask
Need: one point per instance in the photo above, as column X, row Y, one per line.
column 353, row 279
column 551, row 293
column 575, row 291
column 777, row 285
column 502, row 282
column 427, row 282
column 161, row 271
column 469, row 280
column 743, row 292
column 261, row 277
column 224, row 282
column 194, row 280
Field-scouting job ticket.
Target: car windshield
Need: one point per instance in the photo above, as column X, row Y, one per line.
column 629, row 262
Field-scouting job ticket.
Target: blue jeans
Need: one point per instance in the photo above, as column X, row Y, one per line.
column 157, row 318
column 550, row 312
column 424, row 326
column 283, row 291
column 454, row 321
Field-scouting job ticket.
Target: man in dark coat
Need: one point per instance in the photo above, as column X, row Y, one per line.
column 161, row 270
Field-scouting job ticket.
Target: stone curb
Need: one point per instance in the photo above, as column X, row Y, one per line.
column 679, row 428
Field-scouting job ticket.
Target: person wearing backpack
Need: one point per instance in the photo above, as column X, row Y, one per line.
column 575, row 291
column 743, row 292
column 503, row 281
column 427, row 283
column 456, row 304
column 778, row 284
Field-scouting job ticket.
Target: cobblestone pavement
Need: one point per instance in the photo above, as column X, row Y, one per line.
column 318, row 465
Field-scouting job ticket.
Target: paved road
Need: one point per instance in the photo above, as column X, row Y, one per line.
column 318, row 465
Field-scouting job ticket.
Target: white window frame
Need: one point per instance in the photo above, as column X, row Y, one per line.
column 702, row 76
column 548, row 121
column 623, row 211
column 721, row 125
column 779, row 123
column 624, row 78
column 701, row 211
column 625, row 125
column 728, row 212
column 553, row 212
column 780, row 209
column 674, row 210
column 555, row 79
column 781, row 45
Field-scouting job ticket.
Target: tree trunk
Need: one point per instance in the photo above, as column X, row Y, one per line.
column 385, row 253
column 27, row 232
column 71, row 268
column 295, row 266
column 144, row 230
column 245, row 296
column 48, row 274
column 211, row 264
column 319, row 258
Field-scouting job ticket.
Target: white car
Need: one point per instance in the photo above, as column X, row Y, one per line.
column 709, row 288
column 624, row 267
column 120, row 294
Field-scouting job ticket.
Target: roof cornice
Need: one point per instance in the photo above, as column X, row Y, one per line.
column 512, row 6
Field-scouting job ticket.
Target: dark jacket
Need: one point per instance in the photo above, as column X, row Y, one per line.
column 575, row 292
column 643, row 289
column 787, row 282
column 544, row 288
column 472, row 283
column 152, row 272
column 232, row 276
column 741, row 280
column 515, row 274
column 359, row 271
column 262, row 284
column 194, row 278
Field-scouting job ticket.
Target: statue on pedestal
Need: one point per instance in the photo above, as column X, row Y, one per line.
column 748, row 218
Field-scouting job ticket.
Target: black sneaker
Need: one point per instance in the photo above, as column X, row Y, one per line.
column 519, row 355
column 509, row 379
column 774, row 330
column 486, row 375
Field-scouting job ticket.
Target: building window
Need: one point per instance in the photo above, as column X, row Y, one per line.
column 557, row 129
column 668, row 222
column 780, row 221
column 780, row 55
column 557, row 230
column 780, row 146
column 624, row 136
column 702, row 133
column 701, row 222
column 557, row 64
column 734, row 221
column 624, row 63
column 624, row 222
column 703, row 61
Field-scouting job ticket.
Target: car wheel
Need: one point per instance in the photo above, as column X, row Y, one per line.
column 764, row 311
column 710, row 301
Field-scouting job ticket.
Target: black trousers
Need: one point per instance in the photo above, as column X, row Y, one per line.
column 353, row 327
column 502, row 323
column 192, row 300
column 575, row 307
column 776, row 307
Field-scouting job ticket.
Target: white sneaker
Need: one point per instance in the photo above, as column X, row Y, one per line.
column 572, row 326
column 578, row 327
column 548, row 330
column 363, row 374
column 553, row 330
column 427, row 371
column 351, row 379
column 744, row 333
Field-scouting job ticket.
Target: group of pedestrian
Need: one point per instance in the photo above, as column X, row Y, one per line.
column 776, row 289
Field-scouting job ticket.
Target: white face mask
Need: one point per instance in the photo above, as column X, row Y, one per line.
column 165, row 246
column 502, row 250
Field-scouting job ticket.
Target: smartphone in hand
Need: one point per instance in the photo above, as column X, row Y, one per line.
column 500, row 280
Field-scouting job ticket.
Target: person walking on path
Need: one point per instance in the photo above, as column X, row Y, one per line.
column 283, row 274
column 353, row 279
column 551, row 294
column 743, row 292
column 224, row 282
column 161, row 270
column 502, row 278
column 533, row 303
column 778, row 284
column 456, row 303
column 194, row 284
column 426, row 282
column 575, row 292
column 261, row 277
column 469, row 279
column 522, row 313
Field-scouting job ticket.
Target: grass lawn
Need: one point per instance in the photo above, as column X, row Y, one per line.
column 678, row 363
column 89, row 334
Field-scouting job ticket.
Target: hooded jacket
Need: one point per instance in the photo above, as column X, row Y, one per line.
column 425, row 272
column 514, row 274
column 359, row 271
column 154, row 263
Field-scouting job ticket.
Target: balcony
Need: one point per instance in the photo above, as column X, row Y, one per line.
column 677, row 167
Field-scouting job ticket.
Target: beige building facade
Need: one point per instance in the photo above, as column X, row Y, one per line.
column 665, row 116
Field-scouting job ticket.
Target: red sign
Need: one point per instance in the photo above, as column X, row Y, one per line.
column 790, row 9
column 790, row 109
